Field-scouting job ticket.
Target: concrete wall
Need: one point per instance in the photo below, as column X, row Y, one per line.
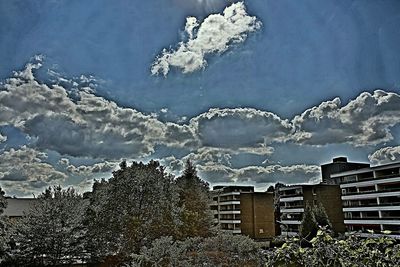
column 257, row 215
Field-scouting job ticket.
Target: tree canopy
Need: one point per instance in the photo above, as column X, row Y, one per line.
column 194, row 201
column 51, row 232
column 138, row 204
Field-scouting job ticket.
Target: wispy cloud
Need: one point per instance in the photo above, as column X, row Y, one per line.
column 215, row 35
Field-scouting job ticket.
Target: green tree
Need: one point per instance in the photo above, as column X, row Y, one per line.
column 308, row 227
column 194, row 200
column 3, row 227
column 134, row 207
column 51, row 232
column 95, row 222
column 326, row 250
column 320, row 215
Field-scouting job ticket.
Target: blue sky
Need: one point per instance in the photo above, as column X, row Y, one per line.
column 256, row 91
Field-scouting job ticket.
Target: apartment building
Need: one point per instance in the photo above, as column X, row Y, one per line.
column 339, row 164
column 371, row 198
column 240, row 210
column 294, row 198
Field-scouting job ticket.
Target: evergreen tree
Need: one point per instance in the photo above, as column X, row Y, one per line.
column 95, row 223
column 194, row 200
column 320, row 215
column 51, row 232
column 308, row 227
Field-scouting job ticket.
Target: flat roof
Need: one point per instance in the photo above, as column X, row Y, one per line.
column 17, row 206
column 369, row 169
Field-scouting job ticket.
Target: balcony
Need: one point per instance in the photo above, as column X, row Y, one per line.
column 379, row 179
column 371, row 221
column 351, row 205
column 376, row 208
column 291, row 222
column 291, row 210
column 229, row 221
column 235, row 211
column 372, row 191
column 370, row 195
column 230, row 202
column 290, row 199
column 291, row 193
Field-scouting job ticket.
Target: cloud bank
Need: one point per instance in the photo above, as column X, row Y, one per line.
column 229, row 145
column 215, row 35
column 365, row 121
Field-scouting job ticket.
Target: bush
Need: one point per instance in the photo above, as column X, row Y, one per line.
column 221, row 250
column 325, row 250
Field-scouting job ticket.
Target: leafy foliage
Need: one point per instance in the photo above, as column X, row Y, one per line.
column 136, row 206
column 309, row 227
column 313, row 216
column 320, row 215
column 325, row 250
column 194, row 201
column 220, row 250
column 3, row 227
column 51, row 232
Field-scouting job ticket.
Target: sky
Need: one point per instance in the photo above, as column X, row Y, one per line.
column 253, row 92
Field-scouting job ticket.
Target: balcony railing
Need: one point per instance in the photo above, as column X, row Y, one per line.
column 230, row 199
column 371, row 178
column 370, row 204
column 372, row 191
column 292, row 207
column 297, row 194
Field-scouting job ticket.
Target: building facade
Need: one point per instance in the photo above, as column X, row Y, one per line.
column 240, row 210
column 294, row 198
column 339, row 164
column 371, row 198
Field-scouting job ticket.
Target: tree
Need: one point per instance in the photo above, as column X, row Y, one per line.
column 320, row 215
column 3, row 227
column 134, row 207
column 51, row 232
column 308, row 227
column 194, row 200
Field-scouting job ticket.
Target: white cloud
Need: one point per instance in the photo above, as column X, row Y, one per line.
column 93, row 127
column 240, row 128
column 28, row 165
column 88, row 127
column 366, row 120
column 3, row 138
column 217, row 173
column 101, row 167
column 216, row 34
column 385, row 155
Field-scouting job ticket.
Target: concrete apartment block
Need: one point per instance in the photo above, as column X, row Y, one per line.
column 371, row 198
column 240, row 210
column 294, row 198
